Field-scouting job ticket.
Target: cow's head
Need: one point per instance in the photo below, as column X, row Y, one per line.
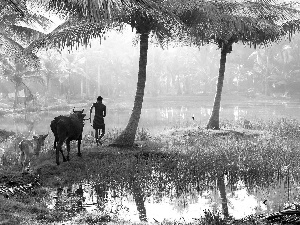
column 40, row 141
column 79, row 114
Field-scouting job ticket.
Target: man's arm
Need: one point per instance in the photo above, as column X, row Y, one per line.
column 104, row 111
column 91, row 110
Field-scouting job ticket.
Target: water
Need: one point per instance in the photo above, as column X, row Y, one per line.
column 157, row 115
column 188, row 207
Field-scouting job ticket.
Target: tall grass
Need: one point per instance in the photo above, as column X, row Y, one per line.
column 189, row 159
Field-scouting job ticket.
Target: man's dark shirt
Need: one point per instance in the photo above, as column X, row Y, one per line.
column 100, row 113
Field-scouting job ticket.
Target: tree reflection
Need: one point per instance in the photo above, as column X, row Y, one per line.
column 198, row 164
column 69, row 200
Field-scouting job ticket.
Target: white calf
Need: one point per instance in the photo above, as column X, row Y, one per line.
column 30, row 148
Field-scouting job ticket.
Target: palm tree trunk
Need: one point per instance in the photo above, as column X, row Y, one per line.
column 127, row 137
column 213, row 122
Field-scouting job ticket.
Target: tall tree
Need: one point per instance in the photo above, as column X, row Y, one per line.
column 52, row 67
column 18, row 74
column 225, row 23
column 144, row 25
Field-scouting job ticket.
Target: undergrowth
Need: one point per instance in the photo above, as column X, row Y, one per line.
column 264, row 157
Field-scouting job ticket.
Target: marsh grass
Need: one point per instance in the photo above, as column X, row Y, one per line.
column 265, row 158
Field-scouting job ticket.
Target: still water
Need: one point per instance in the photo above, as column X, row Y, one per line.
column 186, row 208
column 88, row 199
column 156, row 117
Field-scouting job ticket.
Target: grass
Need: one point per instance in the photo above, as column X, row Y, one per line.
column 265, row 158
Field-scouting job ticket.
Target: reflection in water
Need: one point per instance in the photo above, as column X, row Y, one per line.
column 96, row 199
column 157, row 186
column 69, row 200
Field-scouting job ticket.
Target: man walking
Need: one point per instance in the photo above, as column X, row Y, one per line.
column 98, row 122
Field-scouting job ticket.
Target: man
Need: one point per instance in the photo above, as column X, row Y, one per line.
column 98, row 122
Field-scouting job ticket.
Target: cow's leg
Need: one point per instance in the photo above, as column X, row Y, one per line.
column 68, row 149
column 59, row 149
column 62, row 153
column 78, row 146
column 55, row 141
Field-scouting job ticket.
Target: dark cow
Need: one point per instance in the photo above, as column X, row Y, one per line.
column 30, row 148
column 67, row 129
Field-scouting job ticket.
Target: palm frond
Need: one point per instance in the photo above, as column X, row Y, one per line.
column 95, row 11
column 14, row 6
column 16, row 52
column 291, row 27
column 23, row 34
column 19, row 11
column 249, row 22
column 69, row 34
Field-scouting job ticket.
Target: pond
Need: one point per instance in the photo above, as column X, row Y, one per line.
column 98, row 201
column 158, row 115
column 187, row 207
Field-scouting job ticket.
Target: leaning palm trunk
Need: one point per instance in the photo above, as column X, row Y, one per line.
column 127, row 137
column 213, row 122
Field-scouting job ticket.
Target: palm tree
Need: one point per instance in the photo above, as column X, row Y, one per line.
column 144, row 25
column 52, row 67
column 17, row 73
column 226, row 23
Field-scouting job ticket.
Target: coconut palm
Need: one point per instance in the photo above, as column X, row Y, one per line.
column 144, row 25
column 18, row 74
column 226, row 23
column 52, row 67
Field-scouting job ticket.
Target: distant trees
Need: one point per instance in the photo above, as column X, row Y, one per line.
column 16, row 64
column 18, row 74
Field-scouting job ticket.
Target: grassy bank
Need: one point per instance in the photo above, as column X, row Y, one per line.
column 175, row 162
